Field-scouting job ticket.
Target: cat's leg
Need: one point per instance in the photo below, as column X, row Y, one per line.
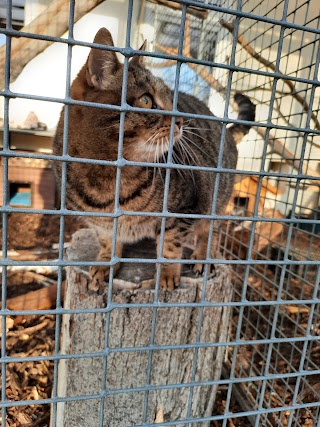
column 172, row 249
column 100, row 273
column 201, row 231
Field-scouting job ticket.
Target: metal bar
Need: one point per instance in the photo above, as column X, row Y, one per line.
column 262, row 319
column 5, row 216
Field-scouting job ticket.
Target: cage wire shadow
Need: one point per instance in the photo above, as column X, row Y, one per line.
column 270, row 236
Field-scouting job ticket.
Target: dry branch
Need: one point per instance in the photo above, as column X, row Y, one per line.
column 53, row 22
column 201, row 70
column 268, row 64
column 31, row 330
column 278, row 146
column 198, row 12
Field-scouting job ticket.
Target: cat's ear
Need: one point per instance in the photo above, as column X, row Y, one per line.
column 138, row 59
column 101, row 63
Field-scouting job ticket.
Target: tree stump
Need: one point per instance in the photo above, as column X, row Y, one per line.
column 132, row 327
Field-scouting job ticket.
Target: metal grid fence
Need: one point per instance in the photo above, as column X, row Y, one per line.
column 274, row 338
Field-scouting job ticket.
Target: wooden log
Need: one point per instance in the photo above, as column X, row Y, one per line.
column 53, row 21
column 131, row 327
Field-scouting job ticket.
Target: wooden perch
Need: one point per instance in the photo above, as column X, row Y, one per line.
column 53, row 21
column 130, row 327
column 197, row 12
column 268, row 64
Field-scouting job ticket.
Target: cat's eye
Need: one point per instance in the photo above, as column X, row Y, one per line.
column 145, row 101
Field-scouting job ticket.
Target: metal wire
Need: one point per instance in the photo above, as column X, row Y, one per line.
column 267, row 285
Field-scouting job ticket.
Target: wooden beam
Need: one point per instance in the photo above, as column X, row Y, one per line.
column 53, row 21
column 41, row 299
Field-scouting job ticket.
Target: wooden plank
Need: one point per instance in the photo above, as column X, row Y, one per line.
column 41, row 299
column 53, row 21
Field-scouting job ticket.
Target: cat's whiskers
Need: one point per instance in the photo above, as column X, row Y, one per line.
column 174, row 158
column 195, row 128
column 196, row 145
column 184, row 160
column 163, row 159
column 187, row 130
column 148, row 143
column 189, row 151
column 155, row 156
column 150, row 147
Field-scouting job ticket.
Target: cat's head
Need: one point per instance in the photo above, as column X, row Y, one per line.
column 146, row 135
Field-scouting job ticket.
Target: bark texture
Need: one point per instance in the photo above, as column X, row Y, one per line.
column 132, row 327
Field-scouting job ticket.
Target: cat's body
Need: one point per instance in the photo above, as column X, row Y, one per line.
column 94, row 133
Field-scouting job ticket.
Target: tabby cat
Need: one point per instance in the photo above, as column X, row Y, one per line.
column 94, row 133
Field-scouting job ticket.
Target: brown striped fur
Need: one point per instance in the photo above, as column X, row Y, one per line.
column 94, row 133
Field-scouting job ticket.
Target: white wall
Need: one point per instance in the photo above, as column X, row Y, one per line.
column 45, row 75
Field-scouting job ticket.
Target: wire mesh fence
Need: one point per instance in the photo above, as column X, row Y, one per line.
column 269, row 232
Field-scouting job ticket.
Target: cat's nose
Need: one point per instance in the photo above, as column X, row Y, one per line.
column 179, row 122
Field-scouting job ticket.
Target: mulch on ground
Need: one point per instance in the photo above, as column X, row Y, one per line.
column 30, row 380
column 32, row 231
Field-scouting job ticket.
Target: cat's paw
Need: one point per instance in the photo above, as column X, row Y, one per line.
column 198, row 268
column 170, row 276
column 100, row 273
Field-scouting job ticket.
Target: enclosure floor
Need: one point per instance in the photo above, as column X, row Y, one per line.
column 34, row 335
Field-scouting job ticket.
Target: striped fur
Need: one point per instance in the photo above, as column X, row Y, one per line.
column 94, row 133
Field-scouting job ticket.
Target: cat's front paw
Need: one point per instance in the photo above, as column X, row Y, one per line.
column 100, row 273
column 170, row 276
column 197, row 267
